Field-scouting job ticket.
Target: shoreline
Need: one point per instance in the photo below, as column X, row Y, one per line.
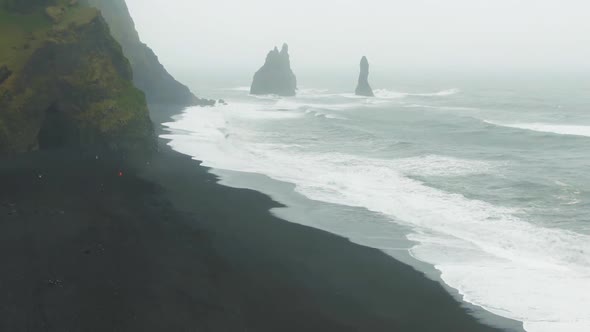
column 92, row 245
column 296, row 208
column 284, row 194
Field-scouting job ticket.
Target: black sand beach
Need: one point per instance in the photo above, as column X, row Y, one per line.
column 89, row 243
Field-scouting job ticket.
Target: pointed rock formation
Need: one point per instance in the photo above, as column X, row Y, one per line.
column 276, row 76
column 363, row 88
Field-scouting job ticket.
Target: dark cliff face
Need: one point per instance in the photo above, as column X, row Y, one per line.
column 363, row 88
column 67, row 82
column 150, row 76
column 275, row 76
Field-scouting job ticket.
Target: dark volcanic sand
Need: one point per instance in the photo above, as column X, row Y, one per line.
column 165, row 248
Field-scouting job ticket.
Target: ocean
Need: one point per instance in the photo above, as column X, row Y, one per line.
column 483, row 178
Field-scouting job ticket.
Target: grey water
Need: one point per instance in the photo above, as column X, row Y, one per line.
column 486, row 174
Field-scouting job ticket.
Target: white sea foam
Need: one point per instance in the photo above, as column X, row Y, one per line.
column 321, row 114
column 310, row 92
column 443, row 93
column 275, row 109
column 494, row 259
column 379, row 93
column 444, row 108
column 560, row 129
column 389, row 94
column 299, row 104
column 239, row 88
column 433, row 165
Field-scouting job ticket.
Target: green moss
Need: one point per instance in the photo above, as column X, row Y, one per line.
column 70, row 62
column 23, row 34
column 78, row 16
column 111, row 114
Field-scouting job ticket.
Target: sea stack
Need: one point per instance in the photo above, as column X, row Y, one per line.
column 363, row 88
column 275, row 76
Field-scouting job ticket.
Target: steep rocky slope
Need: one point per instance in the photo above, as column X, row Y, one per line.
column 64, row 81
column 149, row 74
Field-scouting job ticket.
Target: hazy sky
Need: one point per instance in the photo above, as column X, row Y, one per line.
column 228, row 34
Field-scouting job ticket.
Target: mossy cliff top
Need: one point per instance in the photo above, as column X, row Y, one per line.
column 64, row 80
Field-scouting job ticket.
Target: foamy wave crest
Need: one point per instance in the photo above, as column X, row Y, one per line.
column 305, row 105
column 313, row 92
column 319, row 114
column 443, row 108
column 267, row 97
column 548, row 128
column 492, row 257
column 239, row 88
column 442, row 93
column 389, row 94
column 433, row 165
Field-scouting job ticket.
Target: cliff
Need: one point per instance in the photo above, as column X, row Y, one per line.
column 363, row 88
column 275, row 76
column 149, row 74
column 65, row 80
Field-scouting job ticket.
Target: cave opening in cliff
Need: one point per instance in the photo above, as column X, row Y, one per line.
column 56, row 129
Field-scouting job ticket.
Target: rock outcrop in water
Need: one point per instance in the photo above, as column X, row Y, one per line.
column 363, row 88
column 275, row 76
